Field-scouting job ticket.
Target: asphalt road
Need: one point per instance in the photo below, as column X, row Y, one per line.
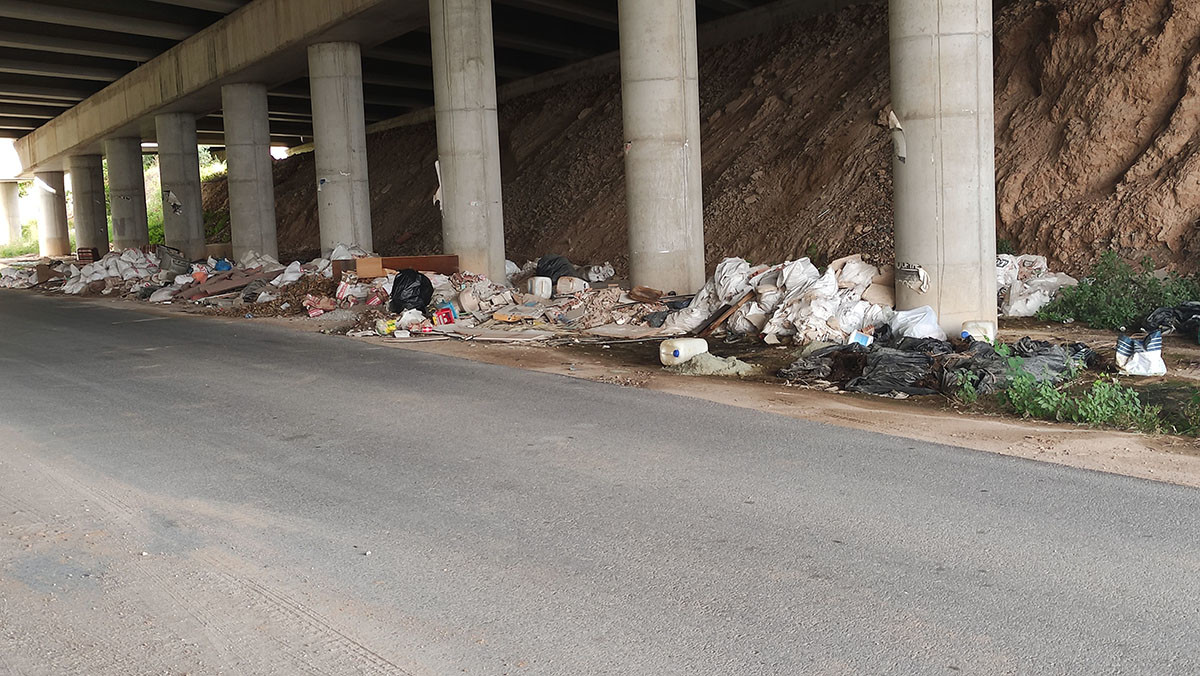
column 188, row 495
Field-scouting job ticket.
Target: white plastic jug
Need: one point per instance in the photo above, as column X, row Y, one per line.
column 980, row 330
column 542, row 287
column 570, row 285
column 679, row 350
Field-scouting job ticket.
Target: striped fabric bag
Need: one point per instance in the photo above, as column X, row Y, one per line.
column 1141, row 357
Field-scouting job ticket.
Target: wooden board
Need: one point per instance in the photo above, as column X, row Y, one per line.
column 724, row 312
column 226, row 282
column 446, row 265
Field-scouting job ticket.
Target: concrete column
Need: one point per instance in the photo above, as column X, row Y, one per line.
column 464, row 91
column 87, row 197
column 944, row 174
column 53, row 239
column 250, row 174
column 340, row 144
column 179, row 170
column 10, row 212
column 127, row 192
column 661, row 115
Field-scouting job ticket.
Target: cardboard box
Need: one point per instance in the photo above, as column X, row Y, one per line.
column 446, row 265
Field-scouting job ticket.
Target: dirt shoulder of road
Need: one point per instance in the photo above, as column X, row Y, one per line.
column 1160, row 458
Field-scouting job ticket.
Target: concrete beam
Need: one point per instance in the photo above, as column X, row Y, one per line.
column 727, row 6
column 72, row 71
column 534, row 45
column 45, row 91
column 264, row 41
column 24, row 102
column 60, row 45
column 34, row 112
column 96, row 20
column 401, row 81
column 18, row 123
column 567, row 10
column 414, row 58
column 221, row 6
column 296, row 91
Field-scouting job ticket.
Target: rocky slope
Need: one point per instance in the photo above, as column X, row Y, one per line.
column 1097, row 134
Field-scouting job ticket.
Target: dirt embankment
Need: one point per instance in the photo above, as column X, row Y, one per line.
column 1097, row 137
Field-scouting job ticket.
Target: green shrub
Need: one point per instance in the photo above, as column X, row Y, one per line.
column 1119, row 296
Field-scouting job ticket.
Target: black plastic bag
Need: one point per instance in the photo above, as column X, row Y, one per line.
column 979, row 365
column 834, row 363
column 890, row 371
column 554, row 267
column 1183, row 318
column 411, row 291
column 929, row 346
column 1042, row 360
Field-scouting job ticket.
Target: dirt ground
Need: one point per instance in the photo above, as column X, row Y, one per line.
column 1161, row 458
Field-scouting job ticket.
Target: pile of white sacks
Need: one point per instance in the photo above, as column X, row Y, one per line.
column 795, row 299
column 1026, row 285
column 17, row 278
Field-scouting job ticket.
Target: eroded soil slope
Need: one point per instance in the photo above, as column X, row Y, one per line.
column 1097, row 135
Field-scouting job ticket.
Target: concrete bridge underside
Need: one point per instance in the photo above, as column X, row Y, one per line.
column 79, row 82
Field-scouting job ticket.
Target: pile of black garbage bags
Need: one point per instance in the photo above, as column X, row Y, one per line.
column 1183, row 319
column 894, row 365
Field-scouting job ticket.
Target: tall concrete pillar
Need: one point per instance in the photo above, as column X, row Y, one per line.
column 53, row 239
column 340, row 144
column 87, row 197
column 250, row 174
column 464, row 91
column 10, row 212
column 944, row 174
column 127, row 192
column 179, row 170
column 661, row 115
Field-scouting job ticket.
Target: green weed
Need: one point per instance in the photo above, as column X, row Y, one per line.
column 1105, row 403
column 1119, row 296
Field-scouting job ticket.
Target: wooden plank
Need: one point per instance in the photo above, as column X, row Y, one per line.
column 724, row 312
column 226, row 282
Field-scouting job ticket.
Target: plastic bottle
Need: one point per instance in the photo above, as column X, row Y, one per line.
column 679, row 350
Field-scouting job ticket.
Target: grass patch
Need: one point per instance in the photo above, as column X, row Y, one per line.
column 1119, row 296
column 15, row 249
